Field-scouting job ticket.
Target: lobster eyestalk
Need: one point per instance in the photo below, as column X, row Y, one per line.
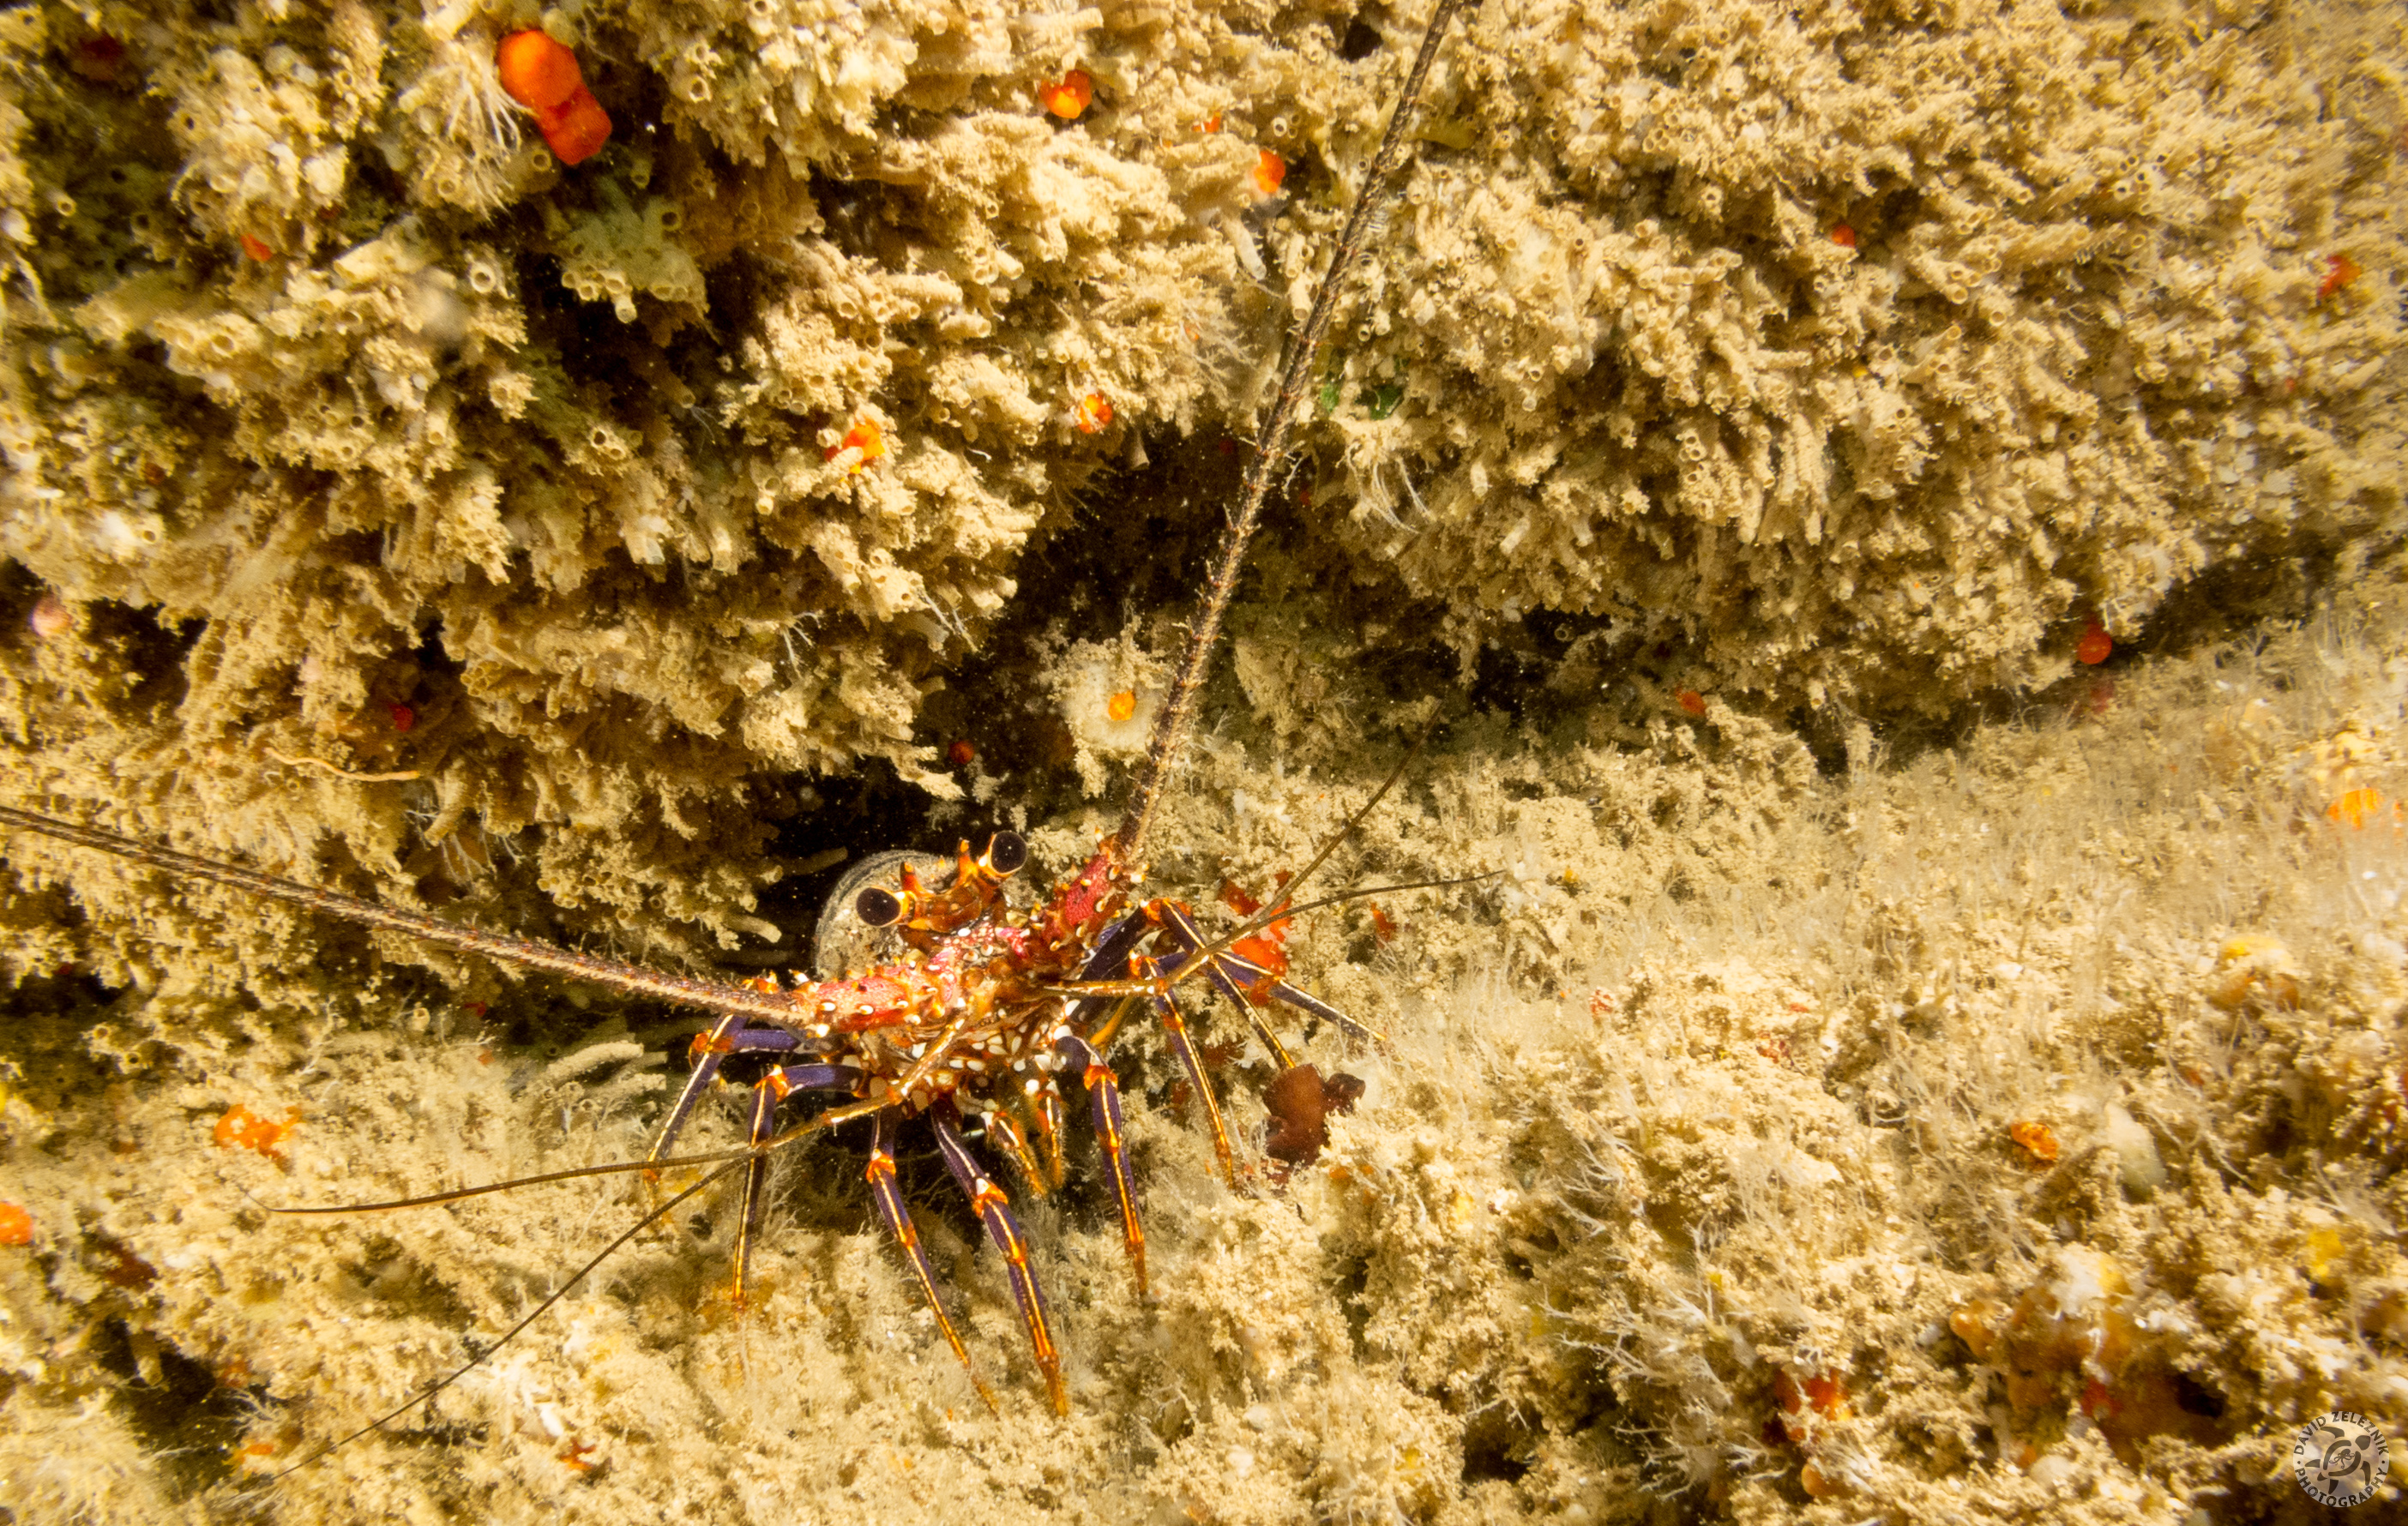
column 1177, row 717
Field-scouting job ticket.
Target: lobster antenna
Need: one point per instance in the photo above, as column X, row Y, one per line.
column 427, row 1395
column 527, row 953
column 1178, row 715
column 727, row 1159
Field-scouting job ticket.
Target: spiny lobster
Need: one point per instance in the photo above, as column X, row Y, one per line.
column 993, row 1006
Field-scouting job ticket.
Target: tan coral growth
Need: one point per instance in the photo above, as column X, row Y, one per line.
column 326, row 365
column 2056, row 366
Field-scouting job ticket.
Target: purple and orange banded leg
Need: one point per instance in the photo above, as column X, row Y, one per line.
column 1237, row 977
column 1104, row 1095
column 1005, row 1130
column 1166, row 1007
column 771, row 1090
column 994, row 1211
column 709, row 1050
column 899, row 1221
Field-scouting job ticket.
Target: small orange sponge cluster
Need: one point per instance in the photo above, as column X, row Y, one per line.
column 542, row 75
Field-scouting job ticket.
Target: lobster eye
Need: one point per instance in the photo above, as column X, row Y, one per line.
column 1006, row 851
column 878, row 909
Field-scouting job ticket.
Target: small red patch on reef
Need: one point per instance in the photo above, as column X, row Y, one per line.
column 1271, row 171
column 541, row 74
column 866, row 437
column 2037, row 1138
column 1843, row 235
column 2095, row 644
column 2340, row 270
column 242, row 1129
column 1067, row 96
column 539, row 70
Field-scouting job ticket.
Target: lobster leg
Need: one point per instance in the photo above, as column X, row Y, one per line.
column 1005, row 1130
column 1049, row 1123
column 1104, row 1094
column 899, row 1220
column 1237, row 975
column 1183, row 935
column 773, row 1089
column 1166, row 1007
column 727, row 1037
column 994, row 1211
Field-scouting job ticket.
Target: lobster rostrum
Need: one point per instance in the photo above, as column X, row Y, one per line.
column 993, row 1008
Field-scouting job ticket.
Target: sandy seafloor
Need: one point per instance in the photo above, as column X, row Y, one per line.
column 1976, row 1090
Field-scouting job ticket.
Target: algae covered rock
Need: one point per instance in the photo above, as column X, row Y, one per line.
column 430, row 511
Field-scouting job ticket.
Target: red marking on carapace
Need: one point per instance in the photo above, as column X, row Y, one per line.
column 1235, row 897
column 1691, row 701
column 1067, row 96
column 1210, row 124
column 2095, row 645
column 962, row 754
column 16, row 1225
column 1084, row 895
column 476, row 1009
column 258, row 249
column 1843, row 235
column 577, row 1451
column 1092, row 413
column 403, row 717
column 1382, row 928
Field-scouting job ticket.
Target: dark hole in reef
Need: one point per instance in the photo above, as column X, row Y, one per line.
column 734, row 289
column 1497, row 1445
column 189, row 1421
column 1512, row 673
column 2197, row 1398
column 1360, row 41
column 854, row 211
column 1352, row 1288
